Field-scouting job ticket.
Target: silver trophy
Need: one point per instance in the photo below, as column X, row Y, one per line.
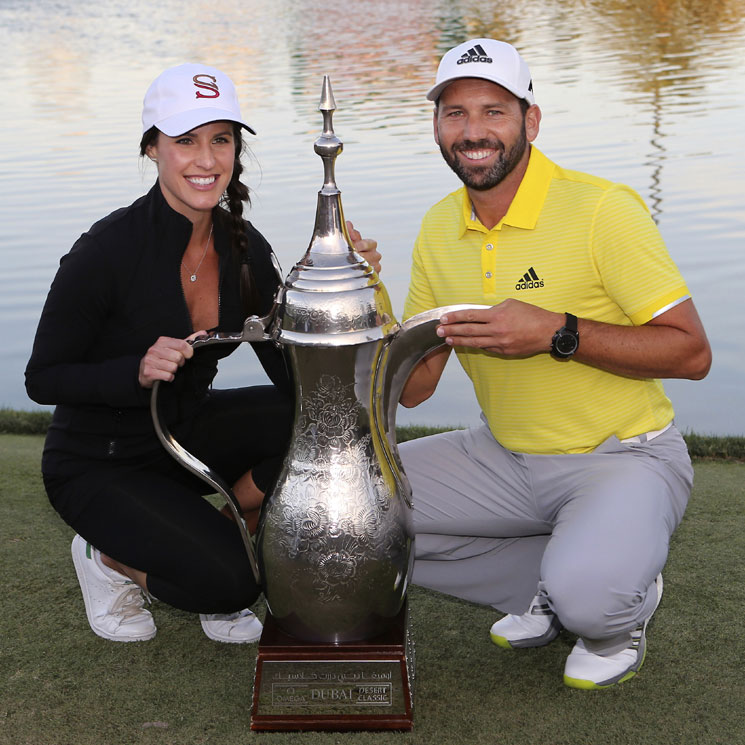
column 334, row 546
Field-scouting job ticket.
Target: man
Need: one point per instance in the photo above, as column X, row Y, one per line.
column 559, row 509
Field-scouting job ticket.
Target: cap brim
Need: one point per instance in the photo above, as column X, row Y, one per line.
column 176, row 125
column 436, row 91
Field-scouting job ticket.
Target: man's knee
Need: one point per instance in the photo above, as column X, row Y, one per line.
column 589, row 606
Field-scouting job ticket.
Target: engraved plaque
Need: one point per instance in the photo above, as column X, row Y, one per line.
column 304, row 685
column 331, row 686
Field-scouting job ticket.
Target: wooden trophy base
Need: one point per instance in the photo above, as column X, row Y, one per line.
column 363, row 685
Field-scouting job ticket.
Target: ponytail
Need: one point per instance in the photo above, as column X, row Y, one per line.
column 233, row 200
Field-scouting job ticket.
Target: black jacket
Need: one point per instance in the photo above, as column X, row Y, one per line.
column 115, row 293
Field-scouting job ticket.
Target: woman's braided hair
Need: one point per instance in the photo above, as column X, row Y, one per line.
column 232, row 201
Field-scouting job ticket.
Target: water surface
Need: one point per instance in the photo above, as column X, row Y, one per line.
column 649, row 94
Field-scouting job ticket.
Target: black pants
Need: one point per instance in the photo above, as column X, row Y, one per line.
column 152, row 516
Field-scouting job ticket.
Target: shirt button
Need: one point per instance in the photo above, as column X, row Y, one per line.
column 488, row 275
column 489, row 246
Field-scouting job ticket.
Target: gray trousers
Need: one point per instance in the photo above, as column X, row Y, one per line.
column 589, row 531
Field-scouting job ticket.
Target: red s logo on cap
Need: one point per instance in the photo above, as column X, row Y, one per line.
column 214, row 91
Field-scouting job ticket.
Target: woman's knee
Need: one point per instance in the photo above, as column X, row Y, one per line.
column 214, row 584
column 230, row 593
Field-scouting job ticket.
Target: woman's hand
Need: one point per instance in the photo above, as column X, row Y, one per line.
column 164, row 358
column 367, row 248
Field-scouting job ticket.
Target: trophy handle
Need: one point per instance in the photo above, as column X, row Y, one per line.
column 204, row 472
column 253, row 330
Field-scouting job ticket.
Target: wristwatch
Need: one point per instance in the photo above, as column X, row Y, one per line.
column 566, row 340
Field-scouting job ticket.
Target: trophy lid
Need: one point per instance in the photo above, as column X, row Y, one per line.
column 332, row 296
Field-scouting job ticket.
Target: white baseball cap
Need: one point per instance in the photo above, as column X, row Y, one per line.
column 187, row 96
column 491, row 60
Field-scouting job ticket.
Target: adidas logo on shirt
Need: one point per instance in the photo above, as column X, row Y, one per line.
column 475, row 54
column 529, row 281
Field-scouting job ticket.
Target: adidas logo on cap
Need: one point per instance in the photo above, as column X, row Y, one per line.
column 496, row 61
column 475, row 54
column 529, row 281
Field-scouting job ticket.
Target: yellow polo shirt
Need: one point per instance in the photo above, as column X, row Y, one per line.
column 569, row 242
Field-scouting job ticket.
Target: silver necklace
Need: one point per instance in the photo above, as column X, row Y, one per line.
column 193, row 275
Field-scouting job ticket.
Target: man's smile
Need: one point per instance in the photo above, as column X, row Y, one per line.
column 477, row 154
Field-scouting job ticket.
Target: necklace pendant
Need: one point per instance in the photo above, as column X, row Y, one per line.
column 193, row 277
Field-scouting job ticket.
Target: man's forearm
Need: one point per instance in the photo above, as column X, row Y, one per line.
column 424, row 378
column 672, row 346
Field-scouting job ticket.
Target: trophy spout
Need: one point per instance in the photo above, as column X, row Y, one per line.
column 414, row 339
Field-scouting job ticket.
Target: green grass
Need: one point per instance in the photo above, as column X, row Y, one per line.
column 62, row 685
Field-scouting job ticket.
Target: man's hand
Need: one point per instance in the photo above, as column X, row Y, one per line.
column 367, row 248
column 510, row 329
column 164, row 358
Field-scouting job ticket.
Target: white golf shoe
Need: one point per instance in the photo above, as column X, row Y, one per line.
column 536, row 627
column 589, row 671
column 114, row 605
column 233, row 628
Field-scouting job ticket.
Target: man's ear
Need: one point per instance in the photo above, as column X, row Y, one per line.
column 434, row 125
column 532, row 122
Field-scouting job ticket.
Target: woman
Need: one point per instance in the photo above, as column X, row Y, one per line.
column 126, row 300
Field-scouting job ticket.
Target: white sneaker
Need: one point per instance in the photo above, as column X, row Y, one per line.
column 536, row 627
column 113, row 603
column 234, row 628
column 589, row 671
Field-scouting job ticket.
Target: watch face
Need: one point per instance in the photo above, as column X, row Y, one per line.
column 566, row 343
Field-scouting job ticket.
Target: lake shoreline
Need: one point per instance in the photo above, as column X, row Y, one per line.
column 700, row 447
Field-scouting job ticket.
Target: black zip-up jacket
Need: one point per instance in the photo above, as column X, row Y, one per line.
column 115, row 293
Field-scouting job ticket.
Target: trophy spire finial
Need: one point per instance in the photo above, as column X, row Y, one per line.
column 331, row 265
column 328, row 145
column 327, row 96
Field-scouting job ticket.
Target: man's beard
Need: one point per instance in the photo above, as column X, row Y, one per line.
column 482, row 178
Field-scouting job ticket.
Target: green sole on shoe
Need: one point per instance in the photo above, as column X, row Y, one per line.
column 500, row 641
column 589, row 685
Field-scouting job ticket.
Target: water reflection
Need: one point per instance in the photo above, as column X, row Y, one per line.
column 638, row 92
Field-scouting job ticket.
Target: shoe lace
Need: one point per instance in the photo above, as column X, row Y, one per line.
column 129, row 603
column 229, row 617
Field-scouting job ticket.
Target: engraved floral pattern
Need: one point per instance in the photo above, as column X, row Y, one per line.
column 336, row 517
